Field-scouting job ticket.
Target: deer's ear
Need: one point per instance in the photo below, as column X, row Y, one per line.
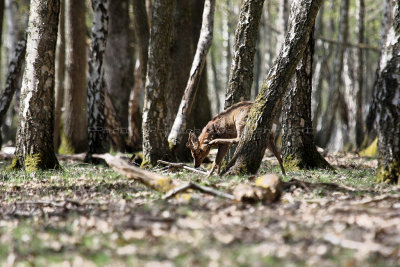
column 193, row 142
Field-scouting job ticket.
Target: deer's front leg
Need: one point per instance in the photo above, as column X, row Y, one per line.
column 222, row 141
column 222, row 150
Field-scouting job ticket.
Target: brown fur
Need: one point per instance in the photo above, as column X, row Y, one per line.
column 222, row 131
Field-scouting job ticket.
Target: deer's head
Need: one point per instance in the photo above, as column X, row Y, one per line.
column 199, row 149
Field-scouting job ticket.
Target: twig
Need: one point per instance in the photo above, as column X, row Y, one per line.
column 201, row 188
column 182, row 166
column 177, row 190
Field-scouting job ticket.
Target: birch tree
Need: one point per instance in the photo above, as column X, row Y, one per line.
column 97, row 133
column 388, row 103
column 35, row 148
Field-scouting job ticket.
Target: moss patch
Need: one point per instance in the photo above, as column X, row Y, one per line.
column 66, row 147
column 371, row 150
column 390, row 174
column 33, row 162
column 15, row 165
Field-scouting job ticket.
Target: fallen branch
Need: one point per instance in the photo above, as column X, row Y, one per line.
column 182, row 166
column 153, row 180
column 195, row 186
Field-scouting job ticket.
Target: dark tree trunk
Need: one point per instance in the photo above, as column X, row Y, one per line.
column 155, row 145
column 181, row 57
column 241, row 74
column 59, row 76
column 142, row 33
column 283, row 13
column 97, row 133
column 252, row 144
column 176, row 136
column 328, row 121
column 35, row 148
column 118, row 64
column 12, row 80
column 360, row 75
column 74, row 137
column 388, row 103
column 299, row 150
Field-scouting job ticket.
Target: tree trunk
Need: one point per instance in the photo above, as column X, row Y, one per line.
column 35, row 148
column 387, row 19
column 142, row 33
column 155, row 145
column 242, row 67
column 360, row 74
column 328, row 121
column 241, row 74
column 118, row 64
column 12, row 80
column 181, row 121
column 74, row 137
column 252, row 144
column 60, row 75
column 388, row 104
column 181, row 57
column 283, row 13
column 97, row 133
column 299, row 150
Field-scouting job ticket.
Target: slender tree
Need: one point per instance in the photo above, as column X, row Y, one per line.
column 97, row 133
column 12, row 80
column 252, row 144
column 35, row 148
column 155, row 145
column 335, row 92
column 60, row 75
column 359, row 132
column 241, row 74
column 299, row 149
column 74, row 136
column 142, row 33
column 388, row 103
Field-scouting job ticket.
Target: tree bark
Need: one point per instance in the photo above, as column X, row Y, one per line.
column 142, row 33
column 74, row 136
column 324, row 135
column 182, row 117
column 299, row 150
column 97, row 133
column 241, row 74
column 59, row 76
column 12, row 80
column 35, row 148
column 155, row 145
column 387, row 20
column 118, row 62
column 181, row 57
column 242, row 67
column 388, row 103
column 360, row 75
column 252, row 144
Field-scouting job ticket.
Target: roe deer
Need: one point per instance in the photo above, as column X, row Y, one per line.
column 222, row 131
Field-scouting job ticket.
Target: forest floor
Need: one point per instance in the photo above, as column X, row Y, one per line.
column 91, row 216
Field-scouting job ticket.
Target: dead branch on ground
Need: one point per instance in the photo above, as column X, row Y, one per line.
column 182, row 166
